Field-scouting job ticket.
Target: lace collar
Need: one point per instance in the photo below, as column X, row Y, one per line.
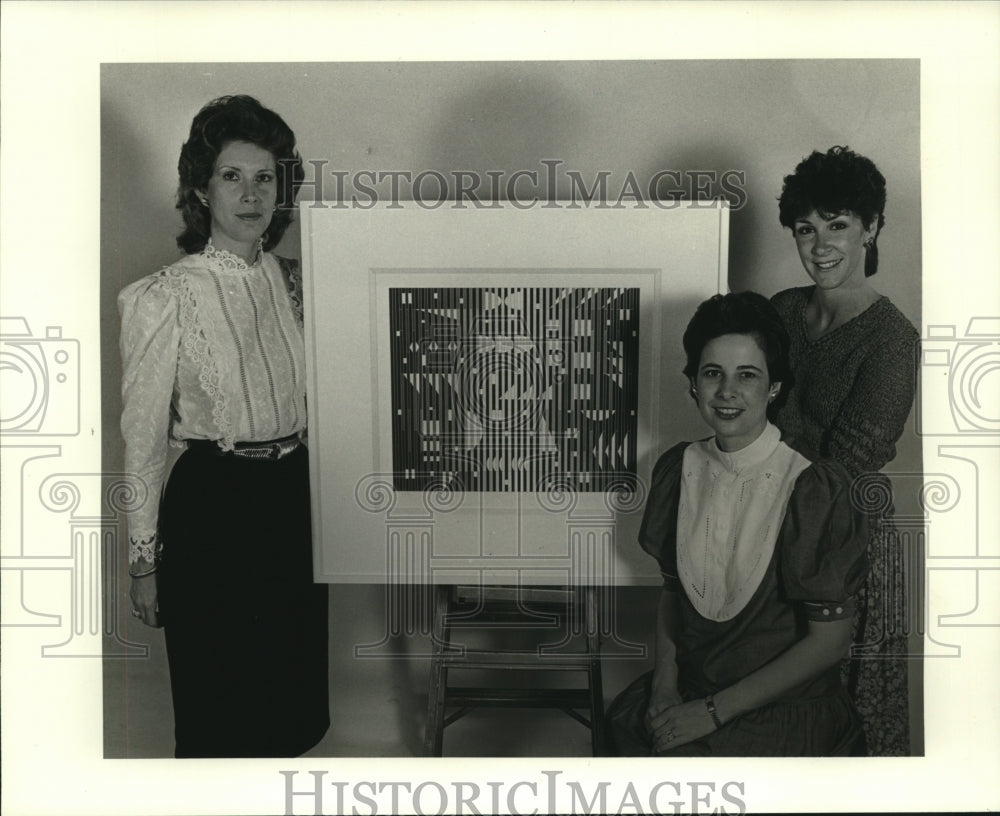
column 226, row 261
column 753, row 454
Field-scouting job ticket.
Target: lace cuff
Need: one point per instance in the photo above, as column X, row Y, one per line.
column 148, row 549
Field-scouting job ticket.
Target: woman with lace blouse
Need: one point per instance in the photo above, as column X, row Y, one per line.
column 761, row 553
column 220, row 552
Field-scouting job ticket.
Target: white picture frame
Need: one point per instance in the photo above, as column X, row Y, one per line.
column 365, row 531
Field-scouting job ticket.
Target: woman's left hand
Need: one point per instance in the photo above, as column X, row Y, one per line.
column 680, row 724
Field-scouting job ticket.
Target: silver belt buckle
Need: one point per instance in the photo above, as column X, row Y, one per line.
column 279, row 450
column 291, row 446
column 271, row 451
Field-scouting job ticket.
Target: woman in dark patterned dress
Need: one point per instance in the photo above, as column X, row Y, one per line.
column 853, row 356
column 762, row 554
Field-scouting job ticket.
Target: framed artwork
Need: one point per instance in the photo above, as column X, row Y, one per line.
column 489, row 389
column 513, row 389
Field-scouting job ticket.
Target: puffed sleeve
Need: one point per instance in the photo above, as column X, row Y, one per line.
column 823, row 543
column 658, row 533
column 150, row 338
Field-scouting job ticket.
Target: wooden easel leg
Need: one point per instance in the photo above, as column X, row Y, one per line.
column 585, row 597
column 596, row 684
column 434, row 729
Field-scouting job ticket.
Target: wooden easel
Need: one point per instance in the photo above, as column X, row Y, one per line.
column 521, row 608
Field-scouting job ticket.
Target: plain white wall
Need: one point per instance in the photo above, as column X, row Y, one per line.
column 756, row 117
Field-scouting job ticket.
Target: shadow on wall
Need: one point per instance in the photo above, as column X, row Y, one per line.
column 716, row 170
column 510, row 126
column 506, row 126
column 126, row 255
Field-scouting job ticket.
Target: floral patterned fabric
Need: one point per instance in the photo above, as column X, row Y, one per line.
column 853, row 392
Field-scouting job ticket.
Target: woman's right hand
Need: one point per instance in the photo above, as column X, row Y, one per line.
column 664, row 691
column 660, row 700
column 143, row 595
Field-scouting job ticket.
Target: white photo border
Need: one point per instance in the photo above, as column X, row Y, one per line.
column 51, row 56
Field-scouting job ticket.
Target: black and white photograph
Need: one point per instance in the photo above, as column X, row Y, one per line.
column 410, row 428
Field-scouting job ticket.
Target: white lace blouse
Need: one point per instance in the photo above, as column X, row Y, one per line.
column 212, row 349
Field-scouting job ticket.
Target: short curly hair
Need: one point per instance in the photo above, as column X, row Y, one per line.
column 227, row 119
column 834, row 182
column 742, row 313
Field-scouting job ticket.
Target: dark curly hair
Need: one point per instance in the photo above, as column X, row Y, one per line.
column 835, row 182
column 742, row 313
column 234, row 119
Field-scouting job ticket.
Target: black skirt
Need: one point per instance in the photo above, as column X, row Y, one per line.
column 245, row 626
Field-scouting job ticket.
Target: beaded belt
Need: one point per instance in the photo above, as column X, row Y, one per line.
column 274, row 449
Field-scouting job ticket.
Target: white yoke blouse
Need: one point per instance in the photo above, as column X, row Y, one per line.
column 212, row 348
column 730, row 512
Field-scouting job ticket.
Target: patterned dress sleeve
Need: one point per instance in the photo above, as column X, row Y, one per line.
column 864, row 434
column 658, row 533
column 150, row 338
column 823, row 543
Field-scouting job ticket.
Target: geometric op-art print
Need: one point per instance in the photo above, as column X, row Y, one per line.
column 514, row 389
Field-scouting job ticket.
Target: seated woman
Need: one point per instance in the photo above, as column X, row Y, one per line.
column 761, row 553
